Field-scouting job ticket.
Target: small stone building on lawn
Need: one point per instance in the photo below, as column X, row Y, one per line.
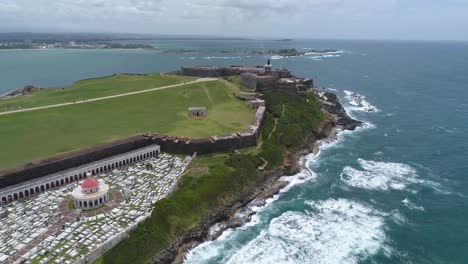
column 198, row 112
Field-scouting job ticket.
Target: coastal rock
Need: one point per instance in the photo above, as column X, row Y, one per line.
column 330, row 103
column 21, row 91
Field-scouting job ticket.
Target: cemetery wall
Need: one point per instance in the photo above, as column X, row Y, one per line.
column 70, row 160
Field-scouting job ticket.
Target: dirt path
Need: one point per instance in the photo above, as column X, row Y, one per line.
column 106, row 97
column 276, row 122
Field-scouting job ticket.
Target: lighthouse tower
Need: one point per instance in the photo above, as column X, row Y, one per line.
column 268, row 66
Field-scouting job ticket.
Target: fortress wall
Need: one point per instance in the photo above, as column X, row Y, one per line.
column 265, row 83
column 206, row 145
column 287, row 86
column 201, row 71
column 75, row 174
column 249, row 80
column 213, row 144
column 258, row 82
column 70, row 160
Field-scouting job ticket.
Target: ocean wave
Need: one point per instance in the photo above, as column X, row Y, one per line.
column 398, row 217
column 410, row 205
column 221, row 58
column 358, row 102
column 321, row 57
column 332, row 231
column 187, row 58
column 380, row 175
column 277, row 57
column 325, row 52
column 301, row 177
column 331, row 89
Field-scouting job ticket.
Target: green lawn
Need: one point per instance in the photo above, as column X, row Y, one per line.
column 34, row 135
column 92, row 88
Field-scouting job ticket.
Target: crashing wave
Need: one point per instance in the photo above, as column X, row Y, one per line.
column 325, row 52
column 276, row 57
column 358, row 102
column 221, row 58
column 410, row 205
column 332, row 231
column 321, row 57
column 380, row 175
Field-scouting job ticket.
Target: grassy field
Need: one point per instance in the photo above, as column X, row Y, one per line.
column 39, row 134
column 92, row 88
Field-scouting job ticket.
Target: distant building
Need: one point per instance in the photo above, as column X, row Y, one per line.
column 91, row 194
column 198, row 111
column 254, row 79
column 274, row 79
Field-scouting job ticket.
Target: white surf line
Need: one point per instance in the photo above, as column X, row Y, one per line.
column 106, row 97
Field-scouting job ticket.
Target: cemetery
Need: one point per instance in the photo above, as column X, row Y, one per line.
column 45, row 229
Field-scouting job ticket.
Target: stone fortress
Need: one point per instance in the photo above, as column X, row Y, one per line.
column 254, row 79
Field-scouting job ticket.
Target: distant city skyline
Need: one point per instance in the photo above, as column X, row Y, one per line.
column 329, row 19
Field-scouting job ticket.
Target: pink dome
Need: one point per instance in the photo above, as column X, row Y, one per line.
column 90, row 183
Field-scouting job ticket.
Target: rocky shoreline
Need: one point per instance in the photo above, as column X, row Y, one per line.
column 240, row 211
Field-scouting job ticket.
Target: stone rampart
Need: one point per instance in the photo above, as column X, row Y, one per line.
column 207, row 71
column 249, row 80
column 70, row 160
column 214, row 144
column 258, row 82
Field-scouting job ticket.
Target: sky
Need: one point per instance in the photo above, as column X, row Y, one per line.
column 335, row 19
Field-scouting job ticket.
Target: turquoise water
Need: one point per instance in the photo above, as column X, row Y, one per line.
column 393, row 192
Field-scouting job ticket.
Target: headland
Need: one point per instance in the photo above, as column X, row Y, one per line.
column 244, row 131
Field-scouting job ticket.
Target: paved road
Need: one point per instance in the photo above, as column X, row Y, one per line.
column 106, row 97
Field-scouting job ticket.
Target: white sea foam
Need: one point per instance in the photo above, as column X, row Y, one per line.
column 331, row 89
column 398, row 217
column 332, row 231
column 358, row 102
column 326, row 53
column 187, row 58
column 321, row 57
column 380, row 175
column 221, row 57
column 301, row 177
column 276, row 57
column 410, row 205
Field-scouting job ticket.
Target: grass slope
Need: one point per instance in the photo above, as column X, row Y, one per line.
column 92, row 88
column 38, row 134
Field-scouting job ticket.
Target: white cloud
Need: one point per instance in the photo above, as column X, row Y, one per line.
column 8, row 7
column 291, row 18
